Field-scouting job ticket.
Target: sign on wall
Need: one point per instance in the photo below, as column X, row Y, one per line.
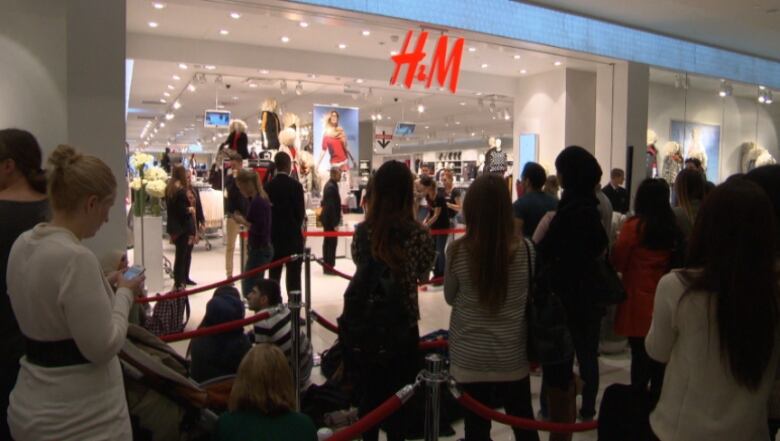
column 441, row 66
column 335, row 136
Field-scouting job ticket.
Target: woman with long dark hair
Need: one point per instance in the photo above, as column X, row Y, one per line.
column 570, row 249
column 689, row 188
column 378, row 327
column 486, row 282
column 715, row 323
column 23, row 193
column 643, row 254
column 181, row 224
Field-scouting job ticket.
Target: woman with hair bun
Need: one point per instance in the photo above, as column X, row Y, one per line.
column 70, row 383
column 23, row 193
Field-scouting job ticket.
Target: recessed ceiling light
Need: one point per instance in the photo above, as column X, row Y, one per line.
column 427, row 127
column 420, row 108
column 176, row 105
column 169, row 116
column 253, row 85
column 170, row 87
column 166, row 94
column 557, row 63
column 285, row 39
column 342, row 46
column 264, row 71
column 312, row 76
column 182, row 66
column 359, row 81
column 457, row 123
column 158, row 5
column 223, row 32
column 462, row 103
column 303, row 24
column 210, row 67
column 523, row 71
column 394, row 53
column 478, row 94
column 162, row 125
column 516, row 57
column 366, row 32
column 334, row 104
column 484, row 66
column 191, row 88
column 163, row 100
column 235, row 98
column 176, row 78
column 153, row 24
column 235, row 15
column 472, row 49
column 762, row 87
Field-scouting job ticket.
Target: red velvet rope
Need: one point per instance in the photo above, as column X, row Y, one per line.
column 330, row 268
column 216, row 329
column 434, row 344
column 351, row 233
column 373, row 418
column 523, row 423
column 189, row 292
column 433, row 281
column 325, row 323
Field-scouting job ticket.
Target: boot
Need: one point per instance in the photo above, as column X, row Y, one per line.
column 562, row 408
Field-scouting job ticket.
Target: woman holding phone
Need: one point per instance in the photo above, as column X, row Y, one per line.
column 70, row 384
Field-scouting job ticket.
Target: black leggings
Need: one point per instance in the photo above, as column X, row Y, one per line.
column 182, row 260
column 644, row 370
column 513, row 396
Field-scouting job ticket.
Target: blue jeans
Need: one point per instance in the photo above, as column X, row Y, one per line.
column 256, row 257
column 441, row 245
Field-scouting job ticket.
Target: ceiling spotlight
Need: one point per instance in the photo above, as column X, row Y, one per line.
column 312, row 76
column 359, row 81
column 235, row 15
column 373, row 117
column 170, row 87
column 235, row 98
column 303, row 24
column 523, row 71
column 169, row 116
column 393, row 53
column 162, row 125
column 427, row 127
column 264, row 71
column 492, row 106
column 182, row 66
column 176, row 78
column 484, row 66
column 342, row 46
column 158, row 5
column 283, row 87
column 765, row 96
column 557, row 63
column 420, row 108
column 223, row 32
column 379, row 117
column 177, row 105
column 472, row 49
column 299, row 88
column 191, row 88
column 370, row 91
column 163, row 100
column 153, row 24
column 457, row 123
column 253, row 85
column 155, row 130
column 462, row 103
column 210, row 67
column 761, row 87
column 507, row 116
column 473, row 133
column 166, row 94
column 478, row 94
column 285, row 39
column 725, row 89
column 516, row 57
column 366, row 32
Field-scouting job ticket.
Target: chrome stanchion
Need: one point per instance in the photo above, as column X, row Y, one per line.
column 294, row 304
column 241, row 245
column 307, row 301
column 433, row 376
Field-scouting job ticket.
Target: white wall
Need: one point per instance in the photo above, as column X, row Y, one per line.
column 581, row 109
column 735, row 116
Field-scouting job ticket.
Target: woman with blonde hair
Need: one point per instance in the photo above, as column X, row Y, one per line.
column 258, row 219
column 70, row 383
column 262, row 401
column 237, row 139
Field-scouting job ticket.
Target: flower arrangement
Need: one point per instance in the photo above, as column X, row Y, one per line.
column 151, row 182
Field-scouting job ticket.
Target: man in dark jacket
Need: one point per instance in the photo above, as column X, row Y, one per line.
column 287, row 220
column 331, row 216
column 617, row 195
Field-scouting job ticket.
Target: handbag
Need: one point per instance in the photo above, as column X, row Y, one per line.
column 169, row 316
column 549, row 338
column 606, row 285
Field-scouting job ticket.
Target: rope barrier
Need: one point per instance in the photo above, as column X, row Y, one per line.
column 220, row 328
column 434, row 344
column 433, row 281
column 480, row 409
column 350, row 233
column 332, row 269
column 184, row 293
column 325, row 323
column 376, row 416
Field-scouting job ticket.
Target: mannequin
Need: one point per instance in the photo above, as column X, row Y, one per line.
column 495, row 158
column 237, row 139
column 651, row 159
column 754, row 156
column 696, row 149
column 270, row 126
column 673, row 162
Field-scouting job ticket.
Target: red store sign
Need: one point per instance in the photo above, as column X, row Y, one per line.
column 441, row 66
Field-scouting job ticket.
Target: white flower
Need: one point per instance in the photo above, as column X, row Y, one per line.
column 136, row 184
column 139, row 159
column 156, row 189
column 155, row 174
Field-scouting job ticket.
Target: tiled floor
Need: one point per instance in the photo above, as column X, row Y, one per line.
column 327, row 291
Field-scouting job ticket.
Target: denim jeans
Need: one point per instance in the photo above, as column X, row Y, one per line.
column 255, row 258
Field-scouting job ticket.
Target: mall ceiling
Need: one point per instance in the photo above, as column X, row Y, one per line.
column 748, row 26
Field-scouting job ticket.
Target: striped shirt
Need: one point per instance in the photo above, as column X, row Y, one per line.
column 277, row 330
column 485, row 346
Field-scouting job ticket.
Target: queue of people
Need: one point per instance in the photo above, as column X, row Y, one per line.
column 701, row 308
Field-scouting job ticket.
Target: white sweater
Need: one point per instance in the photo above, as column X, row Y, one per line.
column 58, row 292
column 700, row 399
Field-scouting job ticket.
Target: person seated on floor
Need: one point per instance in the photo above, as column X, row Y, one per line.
column 262, row 401
column 277, row 329
column 220, row 354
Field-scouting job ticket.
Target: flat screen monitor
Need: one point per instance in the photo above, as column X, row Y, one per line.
column 404, row 129
column 216, row 118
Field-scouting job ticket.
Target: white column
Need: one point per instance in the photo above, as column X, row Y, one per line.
column 604, row 126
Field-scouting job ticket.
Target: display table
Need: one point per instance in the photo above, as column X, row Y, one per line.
column 147, row 242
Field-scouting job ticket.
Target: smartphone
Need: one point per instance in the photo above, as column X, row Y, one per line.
column 133, row 272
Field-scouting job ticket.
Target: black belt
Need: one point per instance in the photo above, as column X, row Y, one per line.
column 54, row 353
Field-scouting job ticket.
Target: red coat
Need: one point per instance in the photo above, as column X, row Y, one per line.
column 642, row 268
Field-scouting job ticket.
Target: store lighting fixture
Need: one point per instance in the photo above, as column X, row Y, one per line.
column 420, row 108
column 162, row 125
column 166, row 94
column 393, row 53
column 235, row 15
column 176, row 77
column 478, row 94
column 472, row 49
column 523, row 71
column 681, row 81
column 169, row 116
column 219, row 80
column 726, row 89
column 299, row 88
column 155, row 131
column 342, row 46
column 285, row 39
column 158, row 5
column 163, row 100
column 457, row 123
column 253, row 85
column 283, row 87
column 177, row 105
column 484, row 66
column 765, row 96
column 264, row 71
column 153, row 24
column 170, row 87
column 182, row 66
column 516, row 57
column 303, row 24
column 191, row 88
column 507, row 116
column 462, row 103
column 223, row 32
column 359, row 81
column 492, row 106
column 366, row 32
column 557, row 63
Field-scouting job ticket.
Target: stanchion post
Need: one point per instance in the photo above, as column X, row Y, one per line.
column 241, row 245
column 307, row 301
column 433, row 376
column 295, row 311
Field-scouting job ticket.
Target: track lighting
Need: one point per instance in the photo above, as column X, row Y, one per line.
column 299, row 88
column 177, row 105
column 169, row 116
column 726, row 89
column 420, row 108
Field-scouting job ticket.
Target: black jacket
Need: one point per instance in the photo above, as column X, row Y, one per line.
column 180, row 220
column 287, row 215
column 331, row 206
column 241, row 144
column 618, row 198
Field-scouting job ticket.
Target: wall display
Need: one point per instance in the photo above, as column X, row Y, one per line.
column 701, row 141
column 335, row 136
column 672, row 162
column 404, row 129
column 216, row 118
column 528, row 145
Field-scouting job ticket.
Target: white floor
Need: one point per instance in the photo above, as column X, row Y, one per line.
column 327, row 291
